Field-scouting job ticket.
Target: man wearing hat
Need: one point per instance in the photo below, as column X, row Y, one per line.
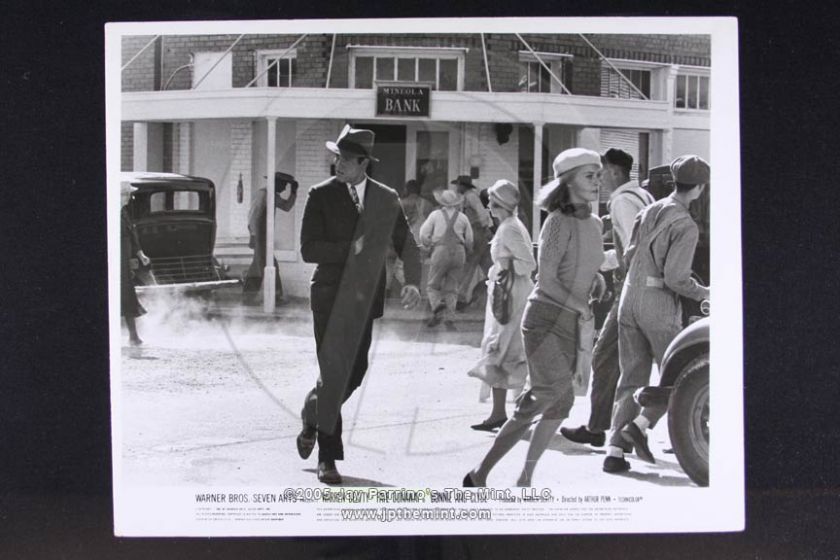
column 447, row 231
column 624, row 204
column 659, row 258
column 477, row 263
column 349, row 222
column 258, row 237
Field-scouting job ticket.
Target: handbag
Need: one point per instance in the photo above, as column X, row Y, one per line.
column 503, row 296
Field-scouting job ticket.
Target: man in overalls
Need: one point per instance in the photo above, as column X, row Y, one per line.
column 659, row 258
column 448, row 232
column 478, row 262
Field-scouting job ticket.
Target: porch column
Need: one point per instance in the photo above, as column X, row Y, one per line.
column 184, row 148
column 141, row 147
column 269, row 289
column 535, row 209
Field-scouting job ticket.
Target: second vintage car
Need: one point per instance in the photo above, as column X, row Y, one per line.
column 175, row 219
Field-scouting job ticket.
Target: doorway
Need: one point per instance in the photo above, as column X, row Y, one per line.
column 389, row 148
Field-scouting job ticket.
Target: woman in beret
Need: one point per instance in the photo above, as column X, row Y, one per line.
column 570, row 252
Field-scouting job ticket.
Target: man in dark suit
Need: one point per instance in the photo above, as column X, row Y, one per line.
column 349, row 222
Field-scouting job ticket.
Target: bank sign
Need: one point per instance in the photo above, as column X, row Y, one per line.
column 402, row 101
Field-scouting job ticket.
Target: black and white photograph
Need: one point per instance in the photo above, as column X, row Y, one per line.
column 424, row 277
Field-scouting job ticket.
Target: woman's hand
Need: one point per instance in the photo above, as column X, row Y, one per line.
column 144, row 260
column 598, row 289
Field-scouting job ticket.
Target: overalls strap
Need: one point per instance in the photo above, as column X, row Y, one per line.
column 450, row 238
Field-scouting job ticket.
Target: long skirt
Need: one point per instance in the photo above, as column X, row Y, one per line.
column 502, row 364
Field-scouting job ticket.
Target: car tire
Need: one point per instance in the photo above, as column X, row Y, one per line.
column 688, row 419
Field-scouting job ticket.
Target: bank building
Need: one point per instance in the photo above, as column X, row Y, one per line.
column 233, row 108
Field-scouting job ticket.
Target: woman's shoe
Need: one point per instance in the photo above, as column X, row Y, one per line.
column 468, row 481
column 489, row 426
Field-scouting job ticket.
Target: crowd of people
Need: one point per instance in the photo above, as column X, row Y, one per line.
column 538, row 328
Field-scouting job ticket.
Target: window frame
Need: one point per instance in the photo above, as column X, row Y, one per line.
column 416, row 53
column 262, row 58
column 687, row 72
column 555, row 61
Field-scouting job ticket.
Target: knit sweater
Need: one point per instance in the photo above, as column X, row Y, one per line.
column 570, row 251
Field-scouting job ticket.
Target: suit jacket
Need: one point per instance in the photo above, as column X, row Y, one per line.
column 342, row 281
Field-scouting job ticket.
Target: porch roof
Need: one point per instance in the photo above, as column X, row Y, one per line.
column 445, row 106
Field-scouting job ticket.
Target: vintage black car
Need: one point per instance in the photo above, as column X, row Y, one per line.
column 684, row 384
column 175, row 219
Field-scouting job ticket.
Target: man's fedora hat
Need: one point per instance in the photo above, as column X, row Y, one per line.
column 463, row 180
column 353, row 142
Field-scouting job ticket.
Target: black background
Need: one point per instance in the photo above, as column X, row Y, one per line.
column 55, row 489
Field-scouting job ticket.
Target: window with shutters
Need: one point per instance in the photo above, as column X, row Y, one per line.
column 613, row 85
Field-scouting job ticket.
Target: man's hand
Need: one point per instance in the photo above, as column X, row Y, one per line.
column 144, row 260
column 410, row 296
column 358, row 244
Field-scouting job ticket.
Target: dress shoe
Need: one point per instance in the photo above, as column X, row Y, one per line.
column 489, row 426
column 450, row 326
column 327, row 473
column 633, row 434
column 306, row 441
column 616, row 465
column 469, row 482
column 582, row 434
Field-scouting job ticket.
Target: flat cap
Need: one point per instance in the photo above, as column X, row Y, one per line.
column 690, row 170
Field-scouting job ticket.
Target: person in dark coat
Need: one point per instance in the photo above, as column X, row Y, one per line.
column 130, row 307
column 349, row 222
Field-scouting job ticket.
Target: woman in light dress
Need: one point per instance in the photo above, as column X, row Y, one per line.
column 502, row 365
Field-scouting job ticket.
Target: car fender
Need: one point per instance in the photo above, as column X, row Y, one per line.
column 690, row 342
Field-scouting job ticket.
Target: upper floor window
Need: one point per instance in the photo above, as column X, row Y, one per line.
column 613, row 85
column 691, row 91
column 278, row 68
column 443, row 68
column 535, row 78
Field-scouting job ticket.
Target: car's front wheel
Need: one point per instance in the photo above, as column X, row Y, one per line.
column 688, row 419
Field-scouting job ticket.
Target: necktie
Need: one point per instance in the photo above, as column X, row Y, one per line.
column 355, row 196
